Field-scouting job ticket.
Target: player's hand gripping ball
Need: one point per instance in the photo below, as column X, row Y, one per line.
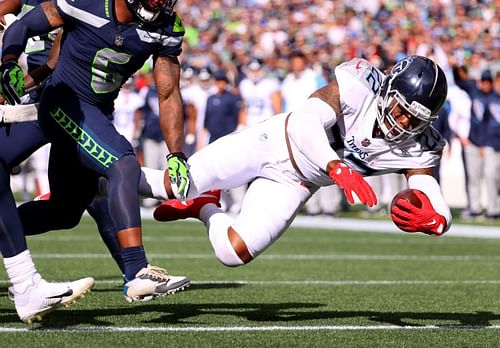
column 412, row 211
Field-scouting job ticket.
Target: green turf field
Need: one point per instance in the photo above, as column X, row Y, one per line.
column 313, row 288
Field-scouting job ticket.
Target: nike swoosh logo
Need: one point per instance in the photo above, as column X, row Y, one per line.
column 66, row 294
column 431, row 223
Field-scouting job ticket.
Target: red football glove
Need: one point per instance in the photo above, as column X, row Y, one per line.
column 351, row 181
column 410, row 218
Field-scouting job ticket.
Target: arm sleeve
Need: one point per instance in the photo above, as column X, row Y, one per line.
column 428, row 185
column 34, row 23
column 306, row 130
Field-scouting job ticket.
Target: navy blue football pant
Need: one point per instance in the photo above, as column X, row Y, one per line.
column 85, row 146
column 17, row 142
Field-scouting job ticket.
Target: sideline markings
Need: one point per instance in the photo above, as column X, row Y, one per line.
column 83, row 329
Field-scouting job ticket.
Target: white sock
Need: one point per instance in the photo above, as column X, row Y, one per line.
column 21, row 271
column 151, row 183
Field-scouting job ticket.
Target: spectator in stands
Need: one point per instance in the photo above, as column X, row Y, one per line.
column 223, row 109
column 482, row 150
column 195, row 92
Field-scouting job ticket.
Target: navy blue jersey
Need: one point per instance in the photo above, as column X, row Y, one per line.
column 99, row 54
column 38, row 47
column 221, row 114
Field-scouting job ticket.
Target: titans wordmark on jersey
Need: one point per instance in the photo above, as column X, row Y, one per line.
column 100, row 54
column 352, row 136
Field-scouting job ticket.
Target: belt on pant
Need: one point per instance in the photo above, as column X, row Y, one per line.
column 292, row 159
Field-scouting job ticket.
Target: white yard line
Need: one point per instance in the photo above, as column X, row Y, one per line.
column 321, row 282
column 126, row 329
column 352, row 257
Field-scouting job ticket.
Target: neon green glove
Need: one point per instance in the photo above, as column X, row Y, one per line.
column 178, row 171
column 11, row 82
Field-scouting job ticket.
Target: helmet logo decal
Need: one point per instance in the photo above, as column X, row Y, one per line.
column 401, row 66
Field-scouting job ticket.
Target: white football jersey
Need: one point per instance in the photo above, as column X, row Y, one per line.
column 257, row 97
column 352, row 135
column 359, row 83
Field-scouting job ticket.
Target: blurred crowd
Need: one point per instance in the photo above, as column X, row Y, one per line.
column 245, row 60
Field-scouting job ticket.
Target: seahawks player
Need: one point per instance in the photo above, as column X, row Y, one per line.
column 362, row 124
column 103, row 44
column 32, row 295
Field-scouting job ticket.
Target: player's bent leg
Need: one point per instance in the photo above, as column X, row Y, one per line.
column 262, row 221
column 143, row 282
column 218, row 225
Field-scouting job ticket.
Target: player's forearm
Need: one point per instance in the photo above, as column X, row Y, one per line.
column 167, row 77
column 429, row 185
column 35, row 22
column 9, row 6
column 172, row 123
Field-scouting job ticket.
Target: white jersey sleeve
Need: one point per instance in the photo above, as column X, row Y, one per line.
column 306, row 130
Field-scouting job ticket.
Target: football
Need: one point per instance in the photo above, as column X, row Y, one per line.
column 408, row 195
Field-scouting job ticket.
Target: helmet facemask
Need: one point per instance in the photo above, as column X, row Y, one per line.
column 393, row 104
column 147, row 11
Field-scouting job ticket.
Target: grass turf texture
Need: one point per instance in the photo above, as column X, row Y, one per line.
column 312, row 288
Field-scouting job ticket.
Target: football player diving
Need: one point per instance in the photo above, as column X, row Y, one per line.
column 362, row 124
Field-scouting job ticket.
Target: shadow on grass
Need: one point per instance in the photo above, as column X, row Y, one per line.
column 278, row 313
column 198, row 287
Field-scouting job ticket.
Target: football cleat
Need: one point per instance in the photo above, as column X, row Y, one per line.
column 42, row 297
column 176, row 209
column 151, row 282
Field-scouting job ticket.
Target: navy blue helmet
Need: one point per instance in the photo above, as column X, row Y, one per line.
column 416, row 86
column 147, row 11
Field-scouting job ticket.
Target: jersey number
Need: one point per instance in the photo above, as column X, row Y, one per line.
column 374, row 80
column 103, row 79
